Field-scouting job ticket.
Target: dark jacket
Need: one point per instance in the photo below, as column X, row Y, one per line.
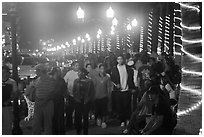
column 83, row 90
column 115, row 77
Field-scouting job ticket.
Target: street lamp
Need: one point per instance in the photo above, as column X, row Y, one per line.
column 74, row 41
column 134, row 22
column 115, row 22
column 110, row 12
column 79, row 38
column 99, row 31
column 88, row 37
column 82, row 41
column 129, row 27
column 80, row 13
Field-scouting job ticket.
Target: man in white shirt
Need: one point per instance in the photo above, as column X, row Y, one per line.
column 122, row 78
column 69, row 78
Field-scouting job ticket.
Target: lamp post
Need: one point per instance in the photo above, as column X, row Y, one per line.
column 110, row 12
column 80, row 14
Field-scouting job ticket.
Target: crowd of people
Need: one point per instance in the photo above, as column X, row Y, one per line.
column 140, row 91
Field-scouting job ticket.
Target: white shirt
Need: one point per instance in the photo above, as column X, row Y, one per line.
column 135, row 77
column 123, row 77
column 69, row 78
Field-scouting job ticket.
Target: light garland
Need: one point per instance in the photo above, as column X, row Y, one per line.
column 191, row 41
column 192, row 56
column 194, row 91
column 191, row 72
column 193, row 107
column 190, row 28
column 190, row 7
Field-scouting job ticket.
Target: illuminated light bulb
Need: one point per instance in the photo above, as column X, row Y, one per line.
column 80, row 13
column 110, row 12
column 79, row 38
column 192, row 56
column 82, row 40
column 115, row 22
column 191, row 72
column 74, row 41
column 99, row 31
column 129, row 27
column 134, row 22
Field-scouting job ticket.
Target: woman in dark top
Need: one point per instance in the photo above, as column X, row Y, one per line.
column 161, row 121
column 58, row 120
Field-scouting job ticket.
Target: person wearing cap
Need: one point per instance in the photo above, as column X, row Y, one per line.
column 9, row 88
column 60, row 89
column 44, row 108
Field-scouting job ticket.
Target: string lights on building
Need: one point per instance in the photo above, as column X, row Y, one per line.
column 149, row 37
column 141, row 39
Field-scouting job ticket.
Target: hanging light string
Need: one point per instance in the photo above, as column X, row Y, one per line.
column 187, row 111
column 193, row 91
column 189, row 7
column 190, row 28
column 191, row 72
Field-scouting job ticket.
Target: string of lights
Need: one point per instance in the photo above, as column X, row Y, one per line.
column 189, row 7
column 187, row 111
column 194, row 91
column 191, row 72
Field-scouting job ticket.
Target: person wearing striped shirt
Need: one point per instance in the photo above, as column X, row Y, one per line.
column 44, row 108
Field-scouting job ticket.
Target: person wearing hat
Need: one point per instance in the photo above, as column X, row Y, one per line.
column 61, row 88
column 44, row 108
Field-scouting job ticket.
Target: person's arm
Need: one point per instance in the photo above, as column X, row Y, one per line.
column 155, row 124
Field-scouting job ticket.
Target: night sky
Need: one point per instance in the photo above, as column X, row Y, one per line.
column 59, row 20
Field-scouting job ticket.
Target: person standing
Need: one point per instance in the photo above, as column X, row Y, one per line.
column 60, row 90
column 143, row 76
column 69, row 78
column 102, row 84
column 9, row 88
column 83, row 93
column 122, row 78
column 44, row 108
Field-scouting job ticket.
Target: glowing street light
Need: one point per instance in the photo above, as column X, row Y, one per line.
column 110, row 12
column 74, row 41
column 79, row 38
column 129, row 27
column 134, row 22
column 115, row 22
column 82, row 40
column 99, row 31
column 98, row 36
column 87, row 35
column 80, row 13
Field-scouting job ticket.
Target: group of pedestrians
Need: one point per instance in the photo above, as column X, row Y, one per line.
column 138, row 91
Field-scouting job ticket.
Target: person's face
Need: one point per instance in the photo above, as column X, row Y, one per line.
column 5, row 74
column 76, row 67
column 102, row 69
column 120, row 60
column 88, row 68
column 138, row 64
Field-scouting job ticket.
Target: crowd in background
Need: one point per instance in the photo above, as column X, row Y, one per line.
column 140, row 91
